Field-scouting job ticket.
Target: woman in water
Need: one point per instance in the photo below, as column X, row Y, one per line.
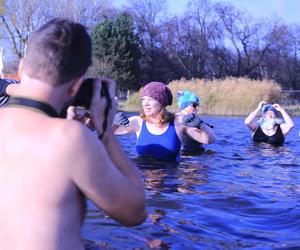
column 269, row 128
column 159, row 132
column 188, row 104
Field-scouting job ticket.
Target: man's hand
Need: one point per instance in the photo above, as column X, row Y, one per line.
column 192, row 120
column 99, row 104
column 83, row 117
column 121, row 120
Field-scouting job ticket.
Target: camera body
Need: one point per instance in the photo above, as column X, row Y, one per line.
column 85, row 93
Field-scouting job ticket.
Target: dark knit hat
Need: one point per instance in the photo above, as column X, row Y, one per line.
column 159, row 92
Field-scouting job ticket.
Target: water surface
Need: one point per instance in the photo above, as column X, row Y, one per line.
column 235, row 195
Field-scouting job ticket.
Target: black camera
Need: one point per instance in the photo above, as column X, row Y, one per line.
column 84, row 95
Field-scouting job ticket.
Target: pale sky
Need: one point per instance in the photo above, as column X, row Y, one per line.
column 287, row 10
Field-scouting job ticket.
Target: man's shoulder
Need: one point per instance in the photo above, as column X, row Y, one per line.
column 71, row 126
column 71, row 131
column 73, row 139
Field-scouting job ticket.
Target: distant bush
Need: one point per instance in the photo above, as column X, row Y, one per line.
column 231, row 96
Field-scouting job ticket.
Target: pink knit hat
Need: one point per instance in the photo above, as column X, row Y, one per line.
column 159, row 92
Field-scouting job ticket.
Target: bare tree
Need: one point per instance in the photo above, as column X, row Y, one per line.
column 282, row 62
column 20, row 17
column 17, row 21
column 88, row 14
column 148, row 15
column 238, row 33
column 191, row 38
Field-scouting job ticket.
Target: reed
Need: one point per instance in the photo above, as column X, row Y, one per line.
column 230, row 96
column 293, row 110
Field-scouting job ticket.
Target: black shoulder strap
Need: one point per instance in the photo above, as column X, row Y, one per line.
column 33, row 104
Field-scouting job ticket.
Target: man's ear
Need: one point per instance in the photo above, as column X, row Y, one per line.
column 75, row 86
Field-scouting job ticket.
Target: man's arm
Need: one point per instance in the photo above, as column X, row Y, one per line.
column 111, row 180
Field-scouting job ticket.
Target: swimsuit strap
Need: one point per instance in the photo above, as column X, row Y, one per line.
column 33, row 104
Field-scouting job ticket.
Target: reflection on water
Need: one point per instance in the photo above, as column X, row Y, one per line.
column 235, row 195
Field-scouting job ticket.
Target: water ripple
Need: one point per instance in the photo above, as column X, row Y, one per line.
column 235, row 195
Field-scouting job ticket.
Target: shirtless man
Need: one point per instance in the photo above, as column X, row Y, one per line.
column 48, row 164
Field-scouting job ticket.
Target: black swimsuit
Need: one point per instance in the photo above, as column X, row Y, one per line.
column 276, row 139
column 189, row 145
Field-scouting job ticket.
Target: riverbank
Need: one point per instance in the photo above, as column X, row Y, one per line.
column 231, row 96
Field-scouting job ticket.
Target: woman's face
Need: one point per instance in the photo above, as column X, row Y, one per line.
column 150, row 106
column 269, row 115
column 193, row 108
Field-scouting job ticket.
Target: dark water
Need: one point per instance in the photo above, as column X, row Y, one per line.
column 235, row 195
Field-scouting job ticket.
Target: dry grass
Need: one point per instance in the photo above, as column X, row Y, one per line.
column 293, row 110
column 231, row 96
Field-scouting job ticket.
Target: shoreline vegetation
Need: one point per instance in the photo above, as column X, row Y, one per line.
column 230, row 96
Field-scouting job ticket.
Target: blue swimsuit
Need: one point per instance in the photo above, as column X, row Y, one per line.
column 164, row 147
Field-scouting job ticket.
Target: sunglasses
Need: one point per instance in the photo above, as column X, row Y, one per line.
column 195, row 105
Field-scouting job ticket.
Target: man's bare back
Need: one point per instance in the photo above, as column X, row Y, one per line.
column 48, row 165
column 36, row 185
